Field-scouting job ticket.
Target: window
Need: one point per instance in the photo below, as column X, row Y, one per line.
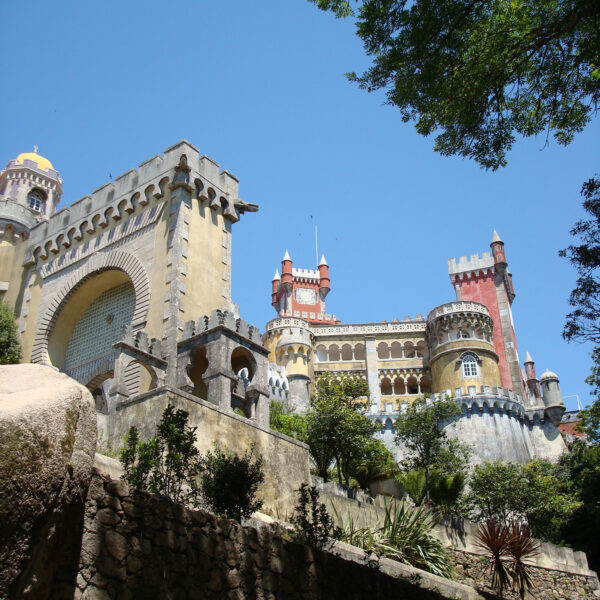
column 35, row 200
column 470, row 366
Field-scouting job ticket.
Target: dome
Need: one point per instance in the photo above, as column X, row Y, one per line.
column 43, row 163
column 548, row 375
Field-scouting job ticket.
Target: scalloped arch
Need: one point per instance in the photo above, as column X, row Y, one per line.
column 102, row 261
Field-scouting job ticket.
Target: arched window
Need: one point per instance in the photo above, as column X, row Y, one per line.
column 470, row 366
column 36, row 199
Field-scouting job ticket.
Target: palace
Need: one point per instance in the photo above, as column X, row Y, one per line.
column 128, row 291
column 464, row 349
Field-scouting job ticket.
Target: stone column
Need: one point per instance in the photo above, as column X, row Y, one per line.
column 298, row 395
column 372, row 374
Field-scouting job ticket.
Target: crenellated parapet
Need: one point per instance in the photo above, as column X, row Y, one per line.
column 475, row 265
column 116, row 201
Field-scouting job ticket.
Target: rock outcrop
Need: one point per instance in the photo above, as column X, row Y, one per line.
column 47, row 445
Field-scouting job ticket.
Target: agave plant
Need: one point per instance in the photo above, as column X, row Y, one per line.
column 404, row 534
column 495, row 538
column 521, row 547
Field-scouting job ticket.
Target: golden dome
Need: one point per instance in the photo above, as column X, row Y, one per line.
column 43, row 163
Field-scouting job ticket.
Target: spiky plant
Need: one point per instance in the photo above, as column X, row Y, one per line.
column 495, row 539
column 404, row 534
column 521, row 547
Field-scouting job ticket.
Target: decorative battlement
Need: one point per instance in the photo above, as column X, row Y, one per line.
column 116, row 200
column 474, row 264
column 369, row 328
column 306, row 274
column 221, row 319
column 457, row 307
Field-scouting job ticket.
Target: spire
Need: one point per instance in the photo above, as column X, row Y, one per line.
column 287, row 256
column 528, row 358
column 276, row 277
column 496, row 237
column 323, row 261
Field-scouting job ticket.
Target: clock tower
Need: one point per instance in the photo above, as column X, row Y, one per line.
column 301, row 293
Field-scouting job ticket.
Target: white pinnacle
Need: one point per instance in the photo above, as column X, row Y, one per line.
column 496, row 237
column 287, row 256
column 323, row 261
column 528, row 358
column 276, row 276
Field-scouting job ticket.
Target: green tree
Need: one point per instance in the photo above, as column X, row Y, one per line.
column 582, row 469
column 374, row 460
column 230, row 483
column 286, row 422
column 10, row 346
column 583, row 322
column 420, row 430
column 479, row 72
column 537, row 493
column 337, row 430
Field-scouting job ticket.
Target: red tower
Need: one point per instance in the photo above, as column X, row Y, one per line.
column 301, row 292
column 486, row 279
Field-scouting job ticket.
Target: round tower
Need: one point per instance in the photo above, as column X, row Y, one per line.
column 290, row 344
column 531, row 380
column 498, row 253
column 553, row 401
column 324, row 281
column 286, row 273
column 462, row 355
column 275, row 288
column 30, row 190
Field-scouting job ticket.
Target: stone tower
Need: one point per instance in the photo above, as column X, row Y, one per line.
column 486, row 279
column 30, row 190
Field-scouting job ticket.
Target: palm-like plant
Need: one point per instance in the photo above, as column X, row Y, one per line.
column 495, row 538
column 521, row 547
column 403, row 535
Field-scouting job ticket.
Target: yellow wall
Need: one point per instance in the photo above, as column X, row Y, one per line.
column 446, row 371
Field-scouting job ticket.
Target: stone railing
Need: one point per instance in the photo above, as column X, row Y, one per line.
column 13, row 211
column 369, row 328
column 457, row 307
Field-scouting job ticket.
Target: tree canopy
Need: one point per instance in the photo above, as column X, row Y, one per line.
column 583, row 323
column 478, row 72
column 420, row 429
column 10, row 346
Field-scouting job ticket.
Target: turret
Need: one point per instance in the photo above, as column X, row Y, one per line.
column 275, row 288
column 533, row 383
column 324, row 278
column 286, row 273
column 553, row 402
column 497, row 247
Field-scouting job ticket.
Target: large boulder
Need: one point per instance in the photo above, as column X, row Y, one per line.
column 47, row 445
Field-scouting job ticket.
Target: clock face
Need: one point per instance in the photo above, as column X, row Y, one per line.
column 305, row 296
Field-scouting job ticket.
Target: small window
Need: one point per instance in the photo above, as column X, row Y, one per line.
column 35, row 200
column 470, row 366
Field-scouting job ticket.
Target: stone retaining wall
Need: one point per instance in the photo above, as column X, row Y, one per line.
column 548, row 584
column 140, row 546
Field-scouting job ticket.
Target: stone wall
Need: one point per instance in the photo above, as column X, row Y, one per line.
column 140, row 546
column 286, row 461
column 548, row 584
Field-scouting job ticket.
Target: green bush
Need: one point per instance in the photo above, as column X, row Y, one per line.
column 10, row 346
column 313, row 525
column 229, row 483
column 444, row 489
column 168, row 463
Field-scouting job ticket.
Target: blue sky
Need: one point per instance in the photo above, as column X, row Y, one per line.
column 259, row 86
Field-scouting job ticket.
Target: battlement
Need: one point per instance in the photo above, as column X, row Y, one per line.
column 221, row 318
column 458, row 307
column 305, row 273
column 468, row 265
column 117, row 199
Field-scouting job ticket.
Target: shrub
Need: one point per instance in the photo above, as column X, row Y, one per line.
column 313, row 525
column 508, row 546
column 168, row 463
column 10, row 346
column 229, row 483
column 404, row 535
column 444, row 489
